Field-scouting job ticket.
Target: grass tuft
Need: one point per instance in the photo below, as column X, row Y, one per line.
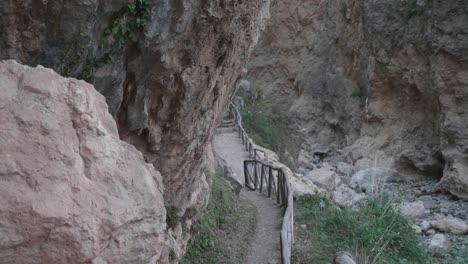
column 172, row 217
column 204, row 237
column 375, row 233
column 267, row 126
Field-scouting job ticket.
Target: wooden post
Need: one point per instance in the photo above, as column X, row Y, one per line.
column 285, row 195
column 246, row 171
column 270, row 177
column 278, row 189
column 281, row 248
column 261, row 179
column 256, row 176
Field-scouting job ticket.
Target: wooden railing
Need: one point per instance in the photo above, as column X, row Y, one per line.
column 259, row 172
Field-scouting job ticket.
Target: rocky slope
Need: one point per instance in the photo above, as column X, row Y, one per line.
column 166, row 69
column 385, row 82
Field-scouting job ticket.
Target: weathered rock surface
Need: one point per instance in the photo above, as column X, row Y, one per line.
column 166, row 87
column 323, row 177
column 70, row 190
column 393, row 73
column 451, row 225
column 343, row 195
column 425, row 225
column 303, row 186
column 344, row 168
column 371, row 180
column 438, row 243
column 413, row 210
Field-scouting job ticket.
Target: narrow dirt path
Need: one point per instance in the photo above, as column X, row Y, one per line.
column 265, row 247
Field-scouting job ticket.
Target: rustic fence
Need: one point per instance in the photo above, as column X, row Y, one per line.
column 260, row 175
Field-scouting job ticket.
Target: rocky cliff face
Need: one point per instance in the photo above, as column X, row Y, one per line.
column 382, row 80
column 166, row 69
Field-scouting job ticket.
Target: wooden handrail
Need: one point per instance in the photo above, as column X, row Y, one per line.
column 258, row 172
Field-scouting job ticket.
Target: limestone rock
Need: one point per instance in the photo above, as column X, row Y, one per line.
column 425, row 225
column 324, row 178
column 413, row 210
column 343, row 257
column 450, row 225
column 417, row 229
column 229, row 175
column 438, row 243
column 455, row 178
column 371, row 180
column 244, row 86
column 343, row 195
column 344, row 168
column 71, row 191
column 306, row 160
column 302, row 186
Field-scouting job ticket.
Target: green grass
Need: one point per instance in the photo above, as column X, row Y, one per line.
column 376, row 233
column 267, row 125
column 214, row 218
column 172, row 218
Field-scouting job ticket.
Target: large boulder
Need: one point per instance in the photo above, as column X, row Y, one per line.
column 70, row 190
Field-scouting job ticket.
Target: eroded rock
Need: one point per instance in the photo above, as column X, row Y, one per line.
column 323, row 177
column 438, row 243
column 371, row 180
column 451, row 225
column 346, row 196
column 71, row 191
column 413, row 210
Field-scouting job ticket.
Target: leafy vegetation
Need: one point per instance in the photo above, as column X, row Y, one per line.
column 128, row 20
column 216, row 216
column 172, row 217
column 267, row 125
column 375, row 233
